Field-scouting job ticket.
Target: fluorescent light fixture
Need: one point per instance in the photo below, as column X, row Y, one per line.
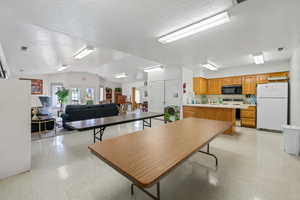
column 62, row 68
column 202, row 25
column 83, row 52
column 259, row 59
column 211, row 66
column 158, row 68
column 121, row 75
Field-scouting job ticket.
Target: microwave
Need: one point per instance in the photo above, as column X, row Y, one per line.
column 232, row 89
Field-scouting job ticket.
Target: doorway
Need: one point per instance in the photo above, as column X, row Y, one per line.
column 163, row 93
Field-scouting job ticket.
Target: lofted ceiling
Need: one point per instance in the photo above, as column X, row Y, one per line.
column 125, row 33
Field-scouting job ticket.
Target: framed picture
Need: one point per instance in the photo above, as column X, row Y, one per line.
column 36, row 86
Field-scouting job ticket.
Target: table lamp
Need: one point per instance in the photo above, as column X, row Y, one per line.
column 35, row 103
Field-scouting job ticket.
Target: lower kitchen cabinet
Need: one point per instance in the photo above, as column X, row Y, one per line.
column 248, row 117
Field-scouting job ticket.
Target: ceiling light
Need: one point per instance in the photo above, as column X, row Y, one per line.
column 62, row 68
column 158, row 68
column 211, row 66
column 259, row 59
column 121, row 75
column 202, row 25
column 83, row 52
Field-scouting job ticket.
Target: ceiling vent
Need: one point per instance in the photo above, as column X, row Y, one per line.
column 240, row 1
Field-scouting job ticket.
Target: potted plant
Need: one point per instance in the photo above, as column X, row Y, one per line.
column 62, row 95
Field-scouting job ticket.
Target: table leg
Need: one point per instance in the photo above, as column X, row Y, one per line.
column 157, row 197
column 147, row 123
column 207, row 152
column 100, row 132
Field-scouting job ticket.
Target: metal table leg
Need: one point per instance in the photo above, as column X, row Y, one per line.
column 157, row 197
column 210, row 154
column 147, row 123
column 100, row 132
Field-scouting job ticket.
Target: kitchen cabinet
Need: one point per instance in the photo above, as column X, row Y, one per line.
column 214, row 86
column 279, row 74
column 227, row 81
column 199, row 85
column 235, row 80
column 248, row 117
column 222, row 114
column 262, row 78
column 249, row 84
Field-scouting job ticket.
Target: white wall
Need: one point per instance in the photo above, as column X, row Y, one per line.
column 295, row 88
column 168, row 74
column 245, row 70
column 187, row 78
column 15, row 135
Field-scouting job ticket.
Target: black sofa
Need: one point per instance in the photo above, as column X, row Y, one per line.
column 84, row 112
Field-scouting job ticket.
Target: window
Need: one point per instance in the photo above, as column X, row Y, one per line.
column 75, row 95
column 89, row 94
column 54, row 88
column 137, row 96
column 101, row 94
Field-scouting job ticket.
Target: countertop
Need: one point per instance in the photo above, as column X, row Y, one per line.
column 243, row 106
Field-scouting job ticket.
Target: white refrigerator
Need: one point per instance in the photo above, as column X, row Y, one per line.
column 272, row 105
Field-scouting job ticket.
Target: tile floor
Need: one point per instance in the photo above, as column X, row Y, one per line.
column 252, row 166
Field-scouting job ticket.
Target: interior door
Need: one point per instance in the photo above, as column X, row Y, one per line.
column 156, row 96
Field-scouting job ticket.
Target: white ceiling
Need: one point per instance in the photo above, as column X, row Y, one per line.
column 132, row 26
column 48, row 51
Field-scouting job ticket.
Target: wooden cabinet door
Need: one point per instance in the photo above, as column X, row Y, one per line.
column 210, row 86
column 236, row 80
column 203, row 86
column 214, row 86
column 200, row 85
column 196, row 85
column 249, row 85
column 227, row 81
column 262, row 78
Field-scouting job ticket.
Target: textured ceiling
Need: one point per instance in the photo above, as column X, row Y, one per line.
column 132, row 27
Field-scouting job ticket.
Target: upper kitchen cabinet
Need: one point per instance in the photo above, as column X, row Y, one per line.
column 249, row 84
column 277, row 75
column 199, row 85
column 262, row 78
column 214, row 86
column 235, row 80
